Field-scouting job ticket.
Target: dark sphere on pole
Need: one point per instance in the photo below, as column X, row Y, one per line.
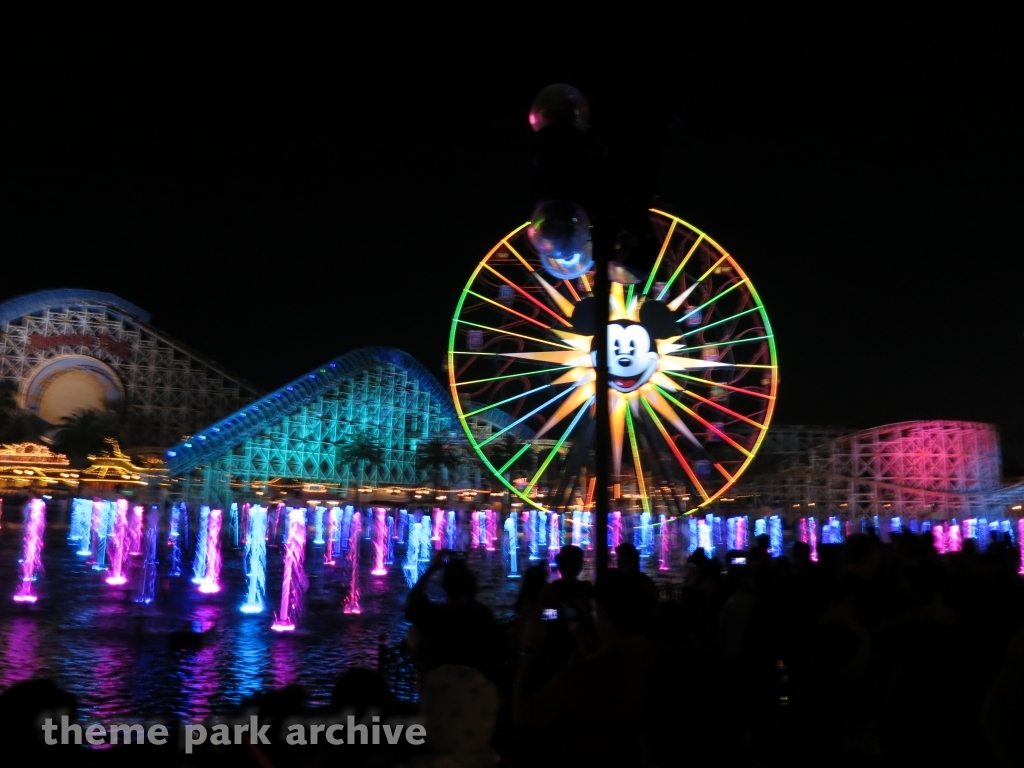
column 560, row 104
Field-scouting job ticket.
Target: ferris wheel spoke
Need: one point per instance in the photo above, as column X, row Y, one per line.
column 661, row 255
column 503, row 308
column 512, row 333
column 719, row 322
column 638, row 467
column 682, row 265
column 507, row 400
column 572, row 290
column 723, row 409
column 528, row 295
column 729, row 343
column 558, row 445
column 519, row 375
column 730, row 387
column 521, row 419
column 693, row 414
column 675, row 450
column 713, row 299
column 515, row 458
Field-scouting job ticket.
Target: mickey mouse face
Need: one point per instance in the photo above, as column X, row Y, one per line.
column 631, row 361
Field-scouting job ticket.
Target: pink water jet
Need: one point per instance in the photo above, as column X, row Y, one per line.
column 666, row 545
column 380, row 542
column 118, row 545
column 352, row 598
column 135, row 530
column 939, row 538
column 1020, row 543
column 954, row 542
column 31, row 552
column 211, row 581
column 243, row 523
column 332, row 532
column 474, row 530
column 294, row 583
column 438, row 533
column 615, row 526
column 812, row 537
column 492, row 529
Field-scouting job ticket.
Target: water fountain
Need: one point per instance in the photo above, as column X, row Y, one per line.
column 211, row 577
column 147, row 585
column 775, row 536
column 243, row 525
column 333, row 523
column 389, row 559
column 542, row 532
column 451, row 531
column 318, row 526
column 554, row 537
column 643, row 538
column 199, row 558
column 474, row 529
column 1020, row 543
column 78, row 531
column 351, row 603
column 577, row 528
column 614, row 530
column 103, row 530
column 31, row 562
column 411, row 565
column 255, row 560
column 233, row 522
column 135, row 530
column 273, row 519
column 380, row 542
column 117, row 546
column 513, row 545
column 694, row 531
column 403, row 525
column 173, row 535
column 586, row 540
column 534, row 538
column 492, row 529
column 293, row 582
column 939, row 538
column 954, row 542
column 666, row 544
column 438, row 532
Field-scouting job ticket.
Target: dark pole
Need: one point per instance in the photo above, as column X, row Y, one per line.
column 603, row 438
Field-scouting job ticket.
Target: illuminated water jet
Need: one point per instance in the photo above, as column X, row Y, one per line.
column 389, row 559
column 118, row 550
column 333, row 521
column 474, row 529
column 233, row 522
column 666, row 550
column 199, row 559
column 211, row 577
column 380, row 544
column 135, row 530
column 173, row 545
column 318, row 529
column 255, row 561
column 411, row 565
column 147, row 591
column 492, row 529
column 293, row 583
column 31, row 562
column 513, row 545
column 105, row 527
column 351, row 604
column 78, row 531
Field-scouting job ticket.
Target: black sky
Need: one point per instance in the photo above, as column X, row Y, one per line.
column 278, row 195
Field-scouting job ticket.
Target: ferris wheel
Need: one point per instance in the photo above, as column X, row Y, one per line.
column 692, row 373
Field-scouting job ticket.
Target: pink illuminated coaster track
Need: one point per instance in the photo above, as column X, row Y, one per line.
column 692, row 373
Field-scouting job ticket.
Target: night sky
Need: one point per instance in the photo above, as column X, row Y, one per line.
column 275, row 197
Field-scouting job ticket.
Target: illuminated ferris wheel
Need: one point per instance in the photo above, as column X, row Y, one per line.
column 692, row 373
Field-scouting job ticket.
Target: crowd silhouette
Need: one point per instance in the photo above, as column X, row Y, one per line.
column 879, row 654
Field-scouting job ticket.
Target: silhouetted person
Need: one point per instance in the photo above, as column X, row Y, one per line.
column 459, row 631
column 535, row 579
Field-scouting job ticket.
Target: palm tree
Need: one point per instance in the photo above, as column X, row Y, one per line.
column 361, row 452
column 15, row 424
column 84, row 433
column 436, row 455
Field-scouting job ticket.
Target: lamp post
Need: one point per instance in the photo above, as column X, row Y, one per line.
column 566, row 175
